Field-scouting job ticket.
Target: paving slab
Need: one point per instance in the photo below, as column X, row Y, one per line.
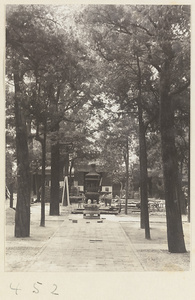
column 87, row 247
column 116, row 244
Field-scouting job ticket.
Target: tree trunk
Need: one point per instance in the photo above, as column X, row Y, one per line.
column 188, row 199
column 181, row 195
column 127, row 175
column 144, row 187
column 170, row 167
column 55, row 171
column 66, row 165
column 144, row 181
column 55, row 156
column 11, row 194
column 70, row 179
column 42, row 223
column 37, row 187
column 22, row 217
column 143, row 162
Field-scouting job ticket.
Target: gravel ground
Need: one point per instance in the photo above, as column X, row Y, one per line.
column 153, row 253
column 20, row 251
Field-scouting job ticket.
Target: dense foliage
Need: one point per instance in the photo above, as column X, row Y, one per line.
column 112, row 85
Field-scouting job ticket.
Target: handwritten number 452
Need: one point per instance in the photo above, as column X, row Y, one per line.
column 36, row 288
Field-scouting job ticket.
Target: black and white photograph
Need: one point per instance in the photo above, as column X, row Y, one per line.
column 97, row 144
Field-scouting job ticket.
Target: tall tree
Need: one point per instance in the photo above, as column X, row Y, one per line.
column 172, row 20
column 22, row 217
column 28, row 35
column 16, row 69
column 163, row 35
column 127, row 73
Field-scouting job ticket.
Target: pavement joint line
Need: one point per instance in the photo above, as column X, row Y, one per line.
column 99, row 258
column 108, row 247
column 133, row 248
column 42, row 248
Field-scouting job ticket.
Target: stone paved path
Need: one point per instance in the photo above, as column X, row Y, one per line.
column 87, row 246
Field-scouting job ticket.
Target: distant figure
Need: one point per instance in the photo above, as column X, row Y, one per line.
column 108, row 199
column 83, row 198
column 79, row 203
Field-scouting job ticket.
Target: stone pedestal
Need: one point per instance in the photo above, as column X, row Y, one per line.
column 91, row 211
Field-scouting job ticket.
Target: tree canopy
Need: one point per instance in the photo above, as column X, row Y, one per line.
column 112, row 81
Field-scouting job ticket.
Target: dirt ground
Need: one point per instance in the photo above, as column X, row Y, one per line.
column 153, row 254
